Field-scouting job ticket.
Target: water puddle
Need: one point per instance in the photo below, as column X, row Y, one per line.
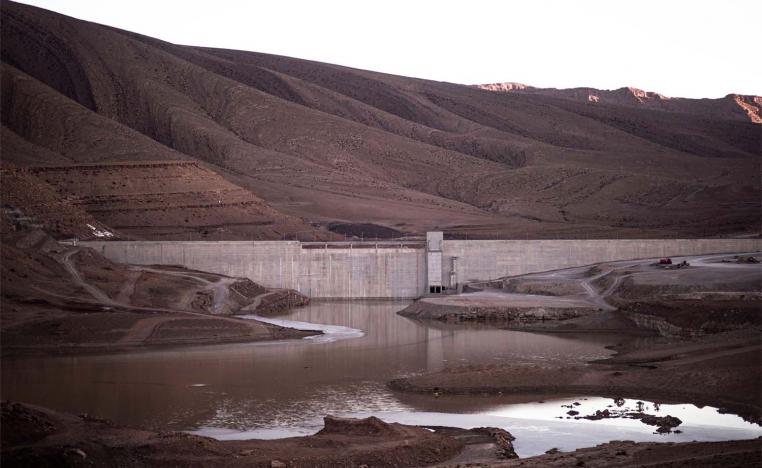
column 541, row 426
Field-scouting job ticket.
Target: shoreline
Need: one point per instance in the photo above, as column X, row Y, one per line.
column 20, row 352
column 667, row 372
column 704, row 317
column 38, row 435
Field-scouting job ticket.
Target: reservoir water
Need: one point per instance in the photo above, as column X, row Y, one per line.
column 284, row 388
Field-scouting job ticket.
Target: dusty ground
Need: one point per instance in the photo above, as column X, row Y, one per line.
column 741, row 454
column 59, row 299
column 325, row 144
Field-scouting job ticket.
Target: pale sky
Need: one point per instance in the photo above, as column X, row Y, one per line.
column 689, row 48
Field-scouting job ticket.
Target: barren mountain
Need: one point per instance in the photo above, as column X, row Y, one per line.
column 732, row 107
column 170, row 199
column 312, row 145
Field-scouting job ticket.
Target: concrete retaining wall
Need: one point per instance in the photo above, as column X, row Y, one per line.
column 396, row 271
column 484, row 260
column 368, row 272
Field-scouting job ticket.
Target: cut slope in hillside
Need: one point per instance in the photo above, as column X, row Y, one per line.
column 332, row 144
column 170, row 199
column 29, row 202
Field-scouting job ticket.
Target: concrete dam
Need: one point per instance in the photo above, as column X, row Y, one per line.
column 398, row 269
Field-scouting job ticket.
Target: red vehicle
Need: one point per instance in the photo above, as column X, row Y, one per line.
column 665, row 261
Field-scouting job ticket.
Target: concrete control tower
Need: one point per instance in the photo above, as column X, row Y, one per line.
column 434, row 262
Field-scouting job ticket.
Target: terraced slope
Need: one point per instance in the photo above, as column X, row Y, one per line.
column 171, row 199
column 331, row 144
column 29, row 202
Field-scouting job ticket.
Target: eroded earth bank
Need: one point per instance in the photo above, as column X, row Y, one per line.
column 65, row 299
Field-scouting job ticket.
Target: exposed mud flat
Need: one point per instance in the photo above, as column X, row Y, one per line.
column 721, row 370
column 713, row 293
column 489, row 306
column 41, row 437
column 718, row 371
column 63, row 299
column 38, row 436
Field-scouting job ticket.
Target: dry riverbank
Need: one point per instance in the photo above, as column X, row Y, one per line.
column 35, row 436
column 60, row 299
column 737, row 453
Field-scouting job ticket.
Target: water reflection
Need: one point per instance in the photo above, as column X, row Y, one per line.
column 537, row 426
column 244, row 386
column 535, row 435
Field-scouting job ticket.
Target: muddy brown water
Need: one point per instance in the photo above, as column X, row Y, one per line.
column 284, row 388
column 263, row 384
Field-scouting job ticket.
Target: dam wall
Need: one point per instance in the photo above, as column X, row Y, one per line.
column 397, row 269
column 481, row 260
column 339, row 270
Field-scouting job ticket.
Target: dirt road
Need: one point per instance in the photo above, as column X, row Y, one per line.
column 144, row 329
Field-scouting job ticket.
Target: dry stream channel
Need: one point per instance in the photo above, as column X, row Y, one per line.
column 284, row 388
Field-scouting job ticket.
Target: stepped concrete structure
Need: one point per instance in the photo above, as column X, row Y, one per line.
column 399, row 269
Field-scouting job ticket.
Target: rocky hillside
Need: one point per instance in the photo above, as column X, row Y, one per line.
column 745, row 108
column 322, row 144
